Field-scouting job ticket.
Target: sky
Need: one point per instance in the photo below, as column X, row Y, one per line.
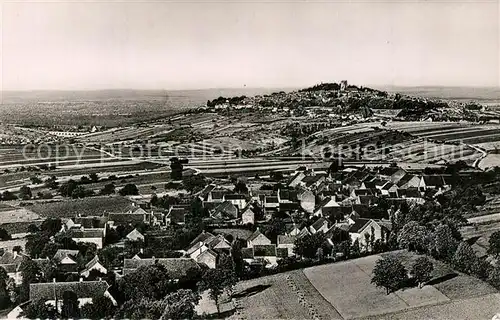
column 63, row 45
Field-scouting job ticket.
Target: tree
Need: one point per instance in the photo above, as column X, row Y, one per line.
column 194, row 183
column 109, row 188
column 421, row 270
column 51, row 226
column 180, row 304
column 413, row 237
column 32, row 228
column 240, row 187
column 276, row 175
column 494, row 244
column 4, row 294
column 443, row 244
column 81, row 192
column 176, row 167
column 389, row 273
column 39, row 310
column 66, row 189
column 494, row 277
column 464, row 258
column 129, row 190
column 308, row 245
column 35, row 180
column 146, row 282
column 8, row 196
column 70, row 309
column 355, row 249
column 94, row 177
column 25, row 193
column 218, row 281
column 4, row 235
column 481, row 268
column 275, row 227
column 100, row 308
column 30, row 273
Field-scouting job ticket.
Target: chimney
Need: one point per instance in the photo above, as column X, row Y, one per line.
column 141, row 250
column 81, row 279
column 54, row 280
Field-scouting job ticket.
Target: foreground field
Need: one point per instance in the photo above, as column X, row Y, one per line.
column 343, row 291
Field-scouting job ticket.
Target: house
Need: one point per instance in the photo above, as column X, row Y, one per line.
column 208, row 258
column 307, row 200
column 304, row 232
column 368, row 230
column 389, row 188
column 412, row 195
column 202, row 237
column 257, row 238
column 218, row 244
column 287, row 196
column 211, row 244
column 203, row 194
column 320, row 225
column 135, row 235
column 238, row 200
column 52, row 292
column 312, row 182
column 66, row 260
column 291, row 229
column 131, row 217
column 88, row 236
column 177, row 268
column 11, row 262
column 408, row 181
column 177, row 214
column 286, row 242
column 271, row 203
column 225, row 211
column 296, row 179
column 93, row 264
column 18, row 310
column 216, row 195
column 326, row 203
column 289, row 207
column 393, row 174
column 247, row 216
column 436, row 182
column 266, row 252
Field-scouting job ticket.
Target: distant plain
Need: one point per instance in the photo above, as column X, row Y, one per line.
column 121, row 107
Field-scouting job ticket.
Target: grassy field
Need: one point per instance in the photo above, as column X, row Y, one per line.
column 85, row 207
column 343, row 291
column 15, row 215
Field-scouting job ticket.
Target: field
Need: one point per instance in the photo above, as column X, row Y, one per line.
column 395, row 142
column 83, row 207
column 283, row 296
column 343, row 291
column 486, row 136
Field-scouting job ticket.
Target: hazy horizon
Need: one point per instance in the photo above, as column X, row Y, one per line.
column 206, row 44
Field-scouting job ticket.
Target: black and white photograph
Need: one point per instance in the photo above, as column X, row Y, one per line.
column 250, row 159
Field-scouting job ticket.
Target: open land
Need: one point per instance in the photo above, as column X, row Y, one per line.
column 343, row 291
